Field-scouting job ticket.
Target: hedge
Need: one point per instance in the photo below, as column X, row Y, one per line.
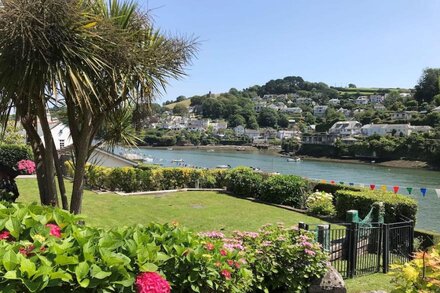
column 285, row 189
column 10, row 154
column 44, row 250
column 396, row 205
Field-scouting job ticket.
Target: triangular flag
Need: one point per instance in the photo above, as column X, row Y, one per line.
column 332, row 182
column 372, row 186
column 409, row 190
column 395, row 189
column 341, row 182
column 323, row 181
column 438, row 192
column 423, row 191
column 383, row 188
column 351, row 183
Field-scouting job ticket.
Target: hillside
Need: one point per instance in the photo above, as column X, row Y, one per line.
column 185, row 103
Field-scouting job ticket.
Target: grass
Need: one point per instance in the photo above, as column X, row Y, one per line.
column 186, row 103
column 200, row 211
column 369, row 283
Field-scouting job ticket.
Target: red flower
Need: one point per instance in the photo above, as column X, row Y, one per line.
column 230, row 262
column 237, row 265
column 55, row 230
column 209, row 246
column 223, row 252
column 26, row 251
column 151, row 283
column 43, row 248
column 226, row 274
column 5, row 235
column 218, row 264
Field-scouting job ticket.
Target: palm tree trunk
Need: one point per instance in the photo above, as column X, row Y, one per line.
column 81, row 156
column 61, row 186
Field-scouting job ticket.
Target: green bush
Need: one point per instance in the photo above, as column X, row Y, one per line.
column 320, row 203
column 11, row 154
column 332, row 188
column 243, row 181
column 44, row 250
column 284, row 189
column 396, row 205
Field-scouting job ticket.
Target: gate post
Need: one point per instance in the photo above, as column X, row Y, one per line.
column 352, row 236
column 411, row 240
column 386, row 248
column 324, row 236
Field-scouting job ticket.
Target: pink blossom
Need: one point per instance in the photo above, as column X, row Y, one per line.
column 151, row 283
column 266, row 243
column 26, row 165
column 307, row 244
column 226, row 274
column 230, row 262
column 223, row 252
column 55, row 230
column 233, row 246
column 26, row 251
column 212, row 234
column 209, row 246
column 309, row 252
column 5, row 235
column 243, row 261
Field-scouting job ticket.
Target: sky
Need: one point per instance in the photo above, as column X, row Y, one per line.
column 371, row 43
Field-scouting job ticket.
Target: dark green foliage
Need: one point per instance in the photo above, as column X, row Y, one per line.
column 332, row 188
column 243, row 181
column 396, row 205
column 428, row 86
column 11, row 154
column 285, row 189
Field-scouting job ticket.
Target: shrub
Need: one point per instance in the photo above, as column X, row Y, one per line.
column 244, row 181
column 422, row 274
column 44, row 249
column 333, row 188
column 284, row 189
column 11, row 154
column 320, row 203
column 396, row 205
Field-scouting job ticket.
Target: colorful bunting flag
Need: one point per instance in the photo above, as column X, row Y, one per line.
column 423, row 191
column 351, row 183
column 341, row 182
column 395, row 189
column 410, row 189
column 438, row 192
column 323, row 181
column 332, row 182
column 383, row 188
column 372, row 186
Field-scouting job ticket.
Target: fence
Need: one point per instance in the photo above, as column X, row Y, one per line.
column 356, row 249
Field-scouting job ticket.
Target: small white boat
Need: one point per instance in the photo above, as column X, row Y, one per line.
column 177, row 161
column 223, row 166
column 169, row 149
column 210, row 151
column 296, row 159
column 133, row 157
column 147, row 160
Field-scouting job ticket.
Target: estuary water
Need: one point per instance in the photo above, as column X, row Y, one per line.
column 428, row 216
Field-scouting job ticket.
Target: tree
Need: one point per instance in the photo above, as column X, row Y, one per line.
column 252, row 122
column 180, row 110
column 283, row 120
column 428, row 85
column 180, row 99
column 351, row 86
column 268, row 118
column 12, row 134
column 236, row 120
column 96, row 55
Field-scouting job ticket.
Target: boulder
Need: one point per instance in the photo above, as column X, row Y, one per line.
column 331, row 282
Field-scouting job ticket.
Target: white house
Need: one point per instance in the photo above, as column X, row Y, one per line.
column 303, row 101
column 319, row 111
column 346, row 128
column 252, row 133
column 379, row 107
column 239, row 130
column 60, row 133
column 334, row 102
column 362, row 100
column 393, row 129
column 104, row 158
column 198, row 124
column 346, row 112
column 285, row 134
column 404, row 115
column 375, row 99
column 259, row 106
column 292, row 110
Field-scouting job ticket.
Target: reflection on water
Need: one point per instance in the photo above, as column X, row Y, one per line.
column 429, row 206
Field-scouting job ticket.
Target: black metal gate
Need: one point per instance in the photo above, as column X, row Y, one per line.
column 358, row 250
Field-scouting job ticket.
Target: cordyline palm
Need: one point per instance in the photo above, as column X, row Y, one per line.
column 96, row 55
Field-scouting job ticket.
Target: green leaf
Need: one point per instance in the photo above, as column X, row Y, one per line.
column 11, row 275
column 148, row 267
column 66, row 260
column 10, row 260
column 82, row 270
column 28, row 267
column 98, row 273
column 14, row 227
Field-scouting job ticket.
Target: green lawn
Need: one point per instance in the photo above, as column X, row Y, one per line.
column 200, row 211
column 369, row 283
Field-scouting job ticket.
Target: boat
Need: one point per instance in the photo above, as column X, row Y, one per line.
column 223, row 166
column 133, row 157
column 177, row 161
column 295, row 159
column 210, row 151
column 147, row 160
column 169, row 149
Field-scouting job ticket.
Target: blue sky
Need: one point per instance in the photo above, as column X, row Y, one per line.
column 370, row 43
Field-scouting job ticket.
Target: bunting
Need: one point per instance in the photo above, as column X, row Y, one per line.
column 423, row 191
column 395, row 189
column 372, row 186
column 409, row 190
column 383, row 188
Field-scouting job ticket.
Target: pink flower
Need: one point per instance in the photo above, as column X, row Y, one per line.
column 151, row 283
column 212, row 234
column 223, row 252
column 226, row 274
column 55, row 230
column 26, row 251
column 309, row 252
column 5, row 235
column 307, row 244
column 218, row 264
column 26, row 165
column 209, row 246
column 266, row 243
column 237, row 265
column 230, row 262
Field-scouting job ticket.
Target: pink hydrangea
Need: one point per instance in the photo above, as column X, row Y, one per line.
column 307, row 244
column 223, row 252
column 55, row 230
column 212, row 234
column 4, row 235
column 151, row 283
column 26, row 165
column 209, row 246
column 226, row 274
column 309, row 252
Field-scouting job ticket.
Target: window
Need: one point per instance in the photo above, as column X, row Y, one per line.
column 61, row 143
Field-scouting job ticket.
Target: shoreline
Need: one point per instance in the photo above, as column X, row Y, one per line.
column 405, row 164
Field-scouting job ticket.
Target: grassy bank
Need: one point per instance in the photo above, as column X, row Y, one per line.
column 201, row 211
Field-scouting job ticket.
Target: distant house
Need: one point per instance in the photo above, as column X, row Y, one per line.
column 346, row 128
column 346, row 112
column 285, row 134
column 60, row 133
column 379, row 107
column 405, row 95
column 334, row 102
column 219, row 125
column 393, row 129
column 239, row 130
column 376, row 99
column 198, row 125
column 404, row 115
column 252, row 133
column 319, row 138
column 259, row 106
column 303, row 101
column 362, row 100
column 319, row 111
column 292, row 110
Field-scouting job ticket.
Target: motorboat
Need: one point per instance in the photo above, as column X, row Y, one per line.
column 295, row 159
column 177, row 161
column 223, row 166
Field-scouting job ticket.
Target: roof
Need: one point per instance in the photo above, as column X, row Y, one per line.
column 68, row 149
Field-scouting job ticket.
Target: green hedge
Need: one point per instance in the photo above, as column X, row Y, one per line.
column 332, row 188
column 44, row 250
column 11, row 154
column 285, row 189
column 396, row 205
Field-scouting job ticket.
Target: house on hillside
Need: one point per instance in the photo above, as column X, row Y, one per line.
column 304, row 101
column 60, row 133
column 393, row 129
column 239, row 130
column 252, row 133
column 346, row 128
column 346, row 112
column 379, row 107
column 319, row 138
column 403, row 115
column 376, row 99
column 362, row 100
column 334, row 102
column 319, row 111
column 292, row 110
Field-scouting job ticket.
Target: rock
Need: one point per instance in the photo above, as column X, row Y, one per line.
column 331, row 282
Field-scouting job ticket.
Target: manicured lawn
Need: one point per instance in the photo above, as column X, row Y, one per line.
column 369, row 283
column 200, row 211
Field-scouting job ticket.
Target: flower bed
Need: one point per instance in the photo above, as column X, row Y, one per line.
column 45, row 249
